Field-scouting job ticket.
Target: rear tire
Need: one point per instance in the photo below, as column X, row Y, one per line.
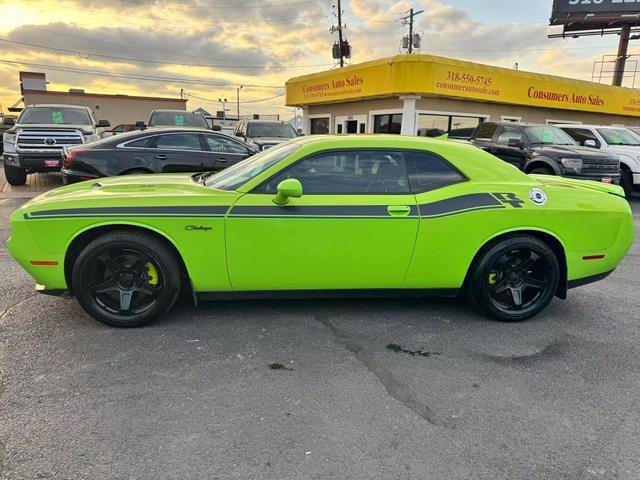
column 126, row 279
column 14, row 175
column 626, row 182
column 542, row 171
column 514, row 279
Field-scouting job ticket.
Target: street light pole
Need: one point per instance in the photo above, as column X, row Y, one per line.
column 238, row 100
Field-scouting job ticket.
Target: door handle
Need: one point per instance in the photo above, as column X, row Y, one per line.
column 399, row 210
column 222, row 159
column 160, row 157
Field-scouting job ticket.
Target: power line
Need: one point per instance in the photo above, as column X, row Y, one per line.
column 157, row 62
column 133, row 76
column 221, row 7
column 248, row 101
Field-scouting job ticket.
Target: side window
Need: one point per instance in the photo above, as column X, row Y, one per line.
column 509, row 133
column 429, row 172
column 176, row 141
column 347, row 172
column 119, row 129
column 142, row 143
column 485, row 131
column 218, row 143
column 581, row 135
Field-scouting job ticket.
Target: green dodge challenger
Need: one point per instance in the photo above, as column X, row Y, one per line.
column 325, row 216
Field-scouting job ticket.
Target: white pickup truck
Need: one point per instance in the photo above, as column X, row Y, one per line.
column 35, row 141
column 619, row 141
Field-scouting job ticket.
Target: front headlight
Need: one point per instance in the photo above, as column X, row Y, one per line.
column 572, row 163
column 90, row 138
column 9, row 138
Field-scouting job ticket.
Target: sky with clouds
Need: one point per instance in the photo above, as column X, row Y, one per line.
column 208, row 47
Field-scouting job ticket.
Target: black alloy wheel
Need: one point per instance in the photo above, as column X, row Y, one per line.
column 126, row 279
column 515, row 279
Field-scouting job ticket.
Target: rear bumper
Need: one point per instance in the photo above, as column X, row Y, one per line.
column 636, row 178
column 74, row 176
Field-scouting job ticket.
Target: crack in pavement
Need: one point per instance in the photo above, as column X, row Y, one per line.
column 392, row 385
column 10, row 308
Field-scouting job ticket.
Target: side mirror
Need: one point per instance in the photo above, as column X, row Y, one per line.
column 289, row 188
column 240, row 134
column 140, row 125
column 515, row 143
column 103, row 124
column 590, row 143
column 9, row 121
column 216, row 128
column 299, row 132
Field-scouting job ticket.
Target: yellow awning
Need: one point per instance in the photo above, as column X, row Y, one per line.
column 428, row 75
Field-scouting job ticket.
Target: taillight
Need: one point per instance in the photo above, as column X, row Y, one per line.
column 68, row 160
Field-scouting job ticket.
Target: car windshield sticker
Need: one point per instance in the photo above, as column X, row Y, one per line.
column 57, row 117
column 179, row 120
column 547, row 136
column 617, row 137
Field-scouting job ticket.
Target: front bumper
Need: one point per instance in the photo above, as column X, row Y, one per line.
column 35, row 162
column 614, row 177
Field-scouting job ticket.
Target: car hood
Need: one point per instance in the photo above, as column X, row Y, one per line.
column 144, row 188
column 574, row 151
column 629, row 150
column 55, row 126
column 554, row 181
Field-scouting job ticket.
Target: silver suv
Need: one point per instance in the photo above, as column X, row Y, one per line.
column 35, row 142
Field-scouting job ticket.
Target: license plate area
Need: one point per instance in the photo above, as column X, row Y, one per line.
column 606, row 180
column 51, row 163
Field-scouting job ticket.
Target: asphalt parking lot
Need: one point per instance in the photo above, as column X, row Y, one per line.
column 362, row 389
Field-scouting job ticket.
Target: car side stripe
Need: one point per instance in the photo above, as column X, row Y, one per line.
column 134, row 211
column 460, row 204
column 317, row 211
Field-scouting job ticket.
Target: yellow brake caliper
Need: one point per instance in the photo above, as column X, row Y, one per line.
column 152, row 273
column 493, row 277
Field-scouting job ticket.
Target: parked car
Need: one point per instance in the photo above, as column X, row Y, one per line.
column 264, row 133
column 546, row 150
column 35, row 142
column 325, row 216
column 155, row 150
column 621, row 142
column 177, row 118
column 124, row 127
column 4, row 127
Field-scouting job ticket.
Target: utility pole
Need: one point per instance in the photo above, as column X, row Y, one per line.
column 621, row 59
column 408, row 19
column 341, row 49
column 340, row 33
column 238, row 99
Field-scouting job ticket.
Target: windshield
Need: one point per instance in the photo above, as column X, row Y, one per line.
column 548, row 135
column 59, row 115
column 278, row 130
column 240, row 173
column 619, row 136
column 177, row 119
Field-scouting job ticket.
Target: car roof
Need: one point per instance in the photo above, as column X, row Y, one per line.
column 520, row 124
column 582, row 125
column 265, row 121
column 170, row 128
column 162, row 110
column 58, row 105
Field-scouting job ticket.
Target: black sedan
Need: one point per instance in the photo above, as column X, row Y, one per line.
column 155, row 150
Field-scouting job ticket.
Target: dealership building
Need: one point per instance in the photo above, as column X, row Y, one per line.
column 427, row 95
column 116, row 108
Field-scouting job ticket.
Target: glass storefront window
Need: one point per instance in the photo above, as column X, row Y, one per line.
column 320, row 126
column 432, row 125
column 388, row 123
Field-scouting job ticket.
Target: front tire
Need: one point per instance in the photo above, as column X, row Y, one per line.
column 14, row 175
column 542, row 171
column 126, row 279
column 626, row 182
column 515, row 278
